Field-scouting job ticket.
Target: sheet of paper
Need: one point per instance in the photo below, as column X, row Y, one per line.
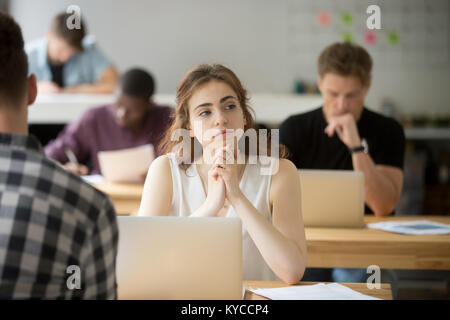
column 94, row 179
column 126, row 165
column 412, row 227
column 320, row 291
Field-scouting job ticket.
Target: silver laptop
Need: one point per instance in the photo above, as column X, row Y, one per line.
column 112, row 163
column 179, row 258
column 332, row 198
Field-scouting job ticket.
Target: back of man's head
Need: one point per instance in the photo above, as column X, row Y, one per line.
column 13, row 62
column 73, row 37
column 346, row 59
column 137, row 83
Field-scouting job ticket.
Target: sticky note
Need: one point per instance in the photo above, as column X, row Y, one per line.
column 346, row 18
column 393, row 37
column 370, row 37
column 347, row 37
column 323, row 18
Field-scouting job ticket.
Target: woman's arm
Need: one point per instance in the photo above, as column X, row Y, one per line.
column 282, row 243
column 157, row 193
column 287, row 214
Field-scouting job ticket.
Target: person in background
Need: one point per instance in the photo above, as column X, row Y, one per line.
column 69, row 61
column 133, row 120
column 53, row 224
column 344, row 135
column 211, row 104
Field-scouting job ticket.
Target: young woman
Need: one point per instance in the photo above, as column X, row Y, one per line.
column 211, row 104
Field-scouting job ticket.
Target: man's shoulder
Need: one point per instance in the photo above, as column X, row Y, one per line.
column 51, row 178
column 98, row 113
column 302, row 120
column 162, row 113
column 74, row 182
column 89, row 43
column 306, row 116
column 91, row 52
column 65, row 188
column 100, row 110
column 82, row 198
column 164, row 108
column 378, row 120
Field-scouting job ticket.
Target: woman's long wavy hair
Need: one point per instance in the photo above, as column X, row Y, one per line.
column 193, row 80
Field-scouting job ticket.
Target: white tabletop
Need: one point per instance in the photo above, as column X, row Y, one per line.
column 64, row 108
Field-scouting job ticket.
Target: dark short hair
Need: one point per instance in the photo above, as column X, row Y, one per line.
column 73, row 37
column 137, row 83
column 13, row 60
column 346, row 59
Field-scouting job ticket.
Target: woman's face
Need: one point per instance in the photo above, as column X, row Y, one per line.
column 214, row 111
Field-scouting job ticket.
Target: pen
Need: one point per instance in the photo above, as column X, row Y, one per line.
column 70, row 155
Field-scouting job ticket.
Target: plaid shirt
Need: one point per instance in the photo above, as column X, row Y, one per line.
column 49, row 220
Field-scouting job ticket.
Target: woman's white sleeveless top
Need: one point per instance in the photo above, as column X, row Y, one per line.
column 189, row 194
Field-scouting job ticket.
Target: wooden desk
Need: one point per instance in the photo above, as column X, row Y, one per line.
column 125, row 197
column 384, row 292
column 342, row 248
column 360, row 248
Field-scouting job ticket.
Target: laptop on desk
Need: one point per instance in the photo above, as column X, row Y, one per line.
column 179, row 258
column 112, row 163
column 332, row 198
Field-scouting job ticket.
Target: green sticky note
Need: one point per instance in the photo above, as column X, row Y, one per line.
column 393, row 37
column 347, row 37
column 346, row 18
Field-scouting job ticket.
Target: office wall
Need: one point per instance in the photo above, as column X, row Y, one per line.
column 268, row 43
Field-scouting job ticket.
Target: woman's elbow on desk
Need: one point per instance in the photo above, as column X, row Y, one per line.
column 291, row 271
column 294, row 276
column 383, row 210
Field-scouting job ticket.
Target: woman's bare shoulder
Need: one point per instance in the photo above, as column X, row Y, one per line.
column 286, row 177
column 285, row 168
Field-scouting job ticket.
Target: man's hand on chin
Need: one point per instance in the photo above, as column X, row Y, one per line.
column 345, row 127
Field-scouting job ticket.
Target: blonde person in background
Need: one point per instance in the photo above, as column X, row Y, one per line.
column 210, row 98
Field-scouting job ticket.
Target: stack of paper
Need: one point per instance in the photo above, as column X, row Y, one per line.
column 320, row 291
column 412, row 227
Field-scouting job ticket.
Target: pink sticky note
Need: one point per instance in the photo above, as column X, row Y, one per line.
column 323, row 18
column 370, row 37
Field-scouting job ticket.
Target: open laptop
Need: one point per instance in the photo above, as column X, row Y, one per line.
column 112, row 163
column 179, row 258
column 332, row 198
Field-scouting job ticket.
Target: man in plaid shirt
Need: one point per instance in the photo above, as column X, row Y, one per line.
column 58, row 234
